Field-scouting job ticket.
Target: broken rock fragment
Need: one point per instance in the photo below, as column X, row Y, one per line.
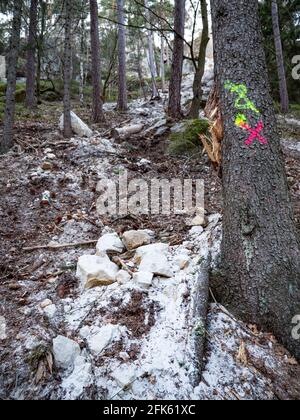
column 65, row 351
column 153, row 259
column 98, row 341
column 78, row 126
column 94, row 271
column 109, row 242
column 143, row 278
column 134, row 239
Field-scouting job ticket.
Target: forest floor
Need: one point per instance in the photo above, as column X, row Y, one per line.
column 149, row 354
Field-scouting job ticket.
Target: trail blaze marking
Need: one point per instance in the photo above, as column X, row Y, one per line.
column 244, row 103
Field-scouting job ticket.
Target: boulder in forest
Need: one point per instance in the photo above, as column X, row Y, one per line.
column 93, row 271
column 78, row 126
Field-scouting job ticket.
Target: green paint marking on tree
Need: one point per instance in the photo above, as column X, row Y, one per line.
column 240, row 120
column 242, row 102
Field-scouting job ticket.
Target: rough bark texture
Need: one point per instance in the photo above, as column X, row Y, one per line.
column 9, row 115
column 31, row 101
column 174, row 107
column 98, row 115
column 122, row 97
column 82, row 59
column 260, row 248
column 67, row 69
column 162, row 64
column 151, row 56
column 40, row 46
column 284, row 96
column 197, row 86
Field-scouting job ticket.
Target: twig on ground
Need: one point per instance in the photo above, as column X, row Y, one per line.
column 59, row 246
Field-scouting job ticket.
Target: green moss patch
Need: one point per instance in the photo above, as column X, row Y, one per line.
column 186, row 140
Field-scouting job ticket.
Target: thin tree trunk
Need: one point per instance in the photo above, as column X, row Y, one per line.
column 197, row 86
column 162, row 64
column 174, row 107
column 31, row 101
column 82, row 58
column 122, row 96
column 284, row 96
column 40, row 47
column 98, row 115
column 67, row 69
column 9, row 114
column 260, row 248
column 151, row 58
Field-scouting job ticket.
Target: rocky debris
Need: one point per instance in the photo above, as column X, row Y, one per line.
column 134, row 239
column 100, row 338
column 123, row 277
column 109, row 242
column 143, row 278
column 45, row 303
column 182, row 260
column 3, row 335
column 123, row 132
column 93, row 271
column 65, row 352
column 47, row 166
column 124, row 376
column 81, row 378
column 78, row 126
column 50, row 311
column 144, row 250
column 153, row 258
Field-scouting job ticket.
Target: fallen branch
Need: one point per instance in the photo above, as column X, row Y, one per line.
column 59, row 246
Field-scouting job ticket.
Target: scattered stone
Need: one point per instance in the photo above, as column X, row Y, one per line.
column 123, row 277
column 109, row 242
column 134, row 239
column 196, row 230
column 99, row 341
column 47, row 166
column 50, row 311
column 78, row 126
column 65, row 351
column 3, row 335
column 147, row 249
column 124, row 376
column 94, row 271
column 45, row 303
column 182, row 261
column 143, row 278
column 153, row 259
column 80, row 379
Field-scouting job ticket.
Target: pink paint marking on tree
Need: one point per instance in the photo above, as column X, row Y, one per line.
column 255, row 133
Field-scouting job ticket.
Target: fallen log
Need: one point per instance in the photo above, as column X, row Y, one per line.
column 126, row 131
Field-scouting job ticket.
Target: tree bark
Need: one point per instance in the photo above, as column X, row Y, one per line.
column 9, row 114
column 260, row 248
column 197, row 86
column 31, row 100
column 40, row 46
column 162, row 64
column 284, row 96
column 82, row 59
column 67, row 69
column 122, row 96
column 98, row 115
column 152, row 66
column 174, row 106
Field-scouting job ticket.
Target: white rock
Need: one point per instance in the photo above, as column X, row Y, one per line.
column 136, row 238
column 65, row 351
column 80, row 378
column 78, row 126
column 157, row 264
column 94, row 271
column 182, row 261
column 147, row 249
column 109, row 242
column 100, row 340
column 50, row 311
column 3, row 335
column 84, row 332
column 124, row 376
column 196, row 230
column 143, row 278
column 45, row 303
column 198, row 221
column 123, row 277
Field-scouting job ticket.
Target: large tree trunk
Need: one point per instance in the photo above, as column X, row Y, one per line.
column 67, row 69
column 284, row 96
column 31, row 101
column 122, row 97
column 98, row 115
column 174, row 107
column 260, row 249
column 9, row 115
column 197, row 86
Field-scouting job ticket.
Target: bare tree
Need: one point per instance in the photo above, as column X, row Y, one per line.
column 31, row 100
column 98, row 115
column 174, row 107
column 284, row 96
column 122, row 97
column 68, row 69
column 153, row 72
column 260, row 248
column 9, row 114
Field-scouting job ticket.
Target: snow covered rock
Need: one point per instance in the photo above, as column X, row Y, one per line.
column 123, row 277
column 3, row 335
column 124, row 376
column 143, row 278
column 78, row 126
column 65, row 351
column 136, row 238
column 94, row 271
column 98, row 341
column 109, row 242
column 80, row 379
